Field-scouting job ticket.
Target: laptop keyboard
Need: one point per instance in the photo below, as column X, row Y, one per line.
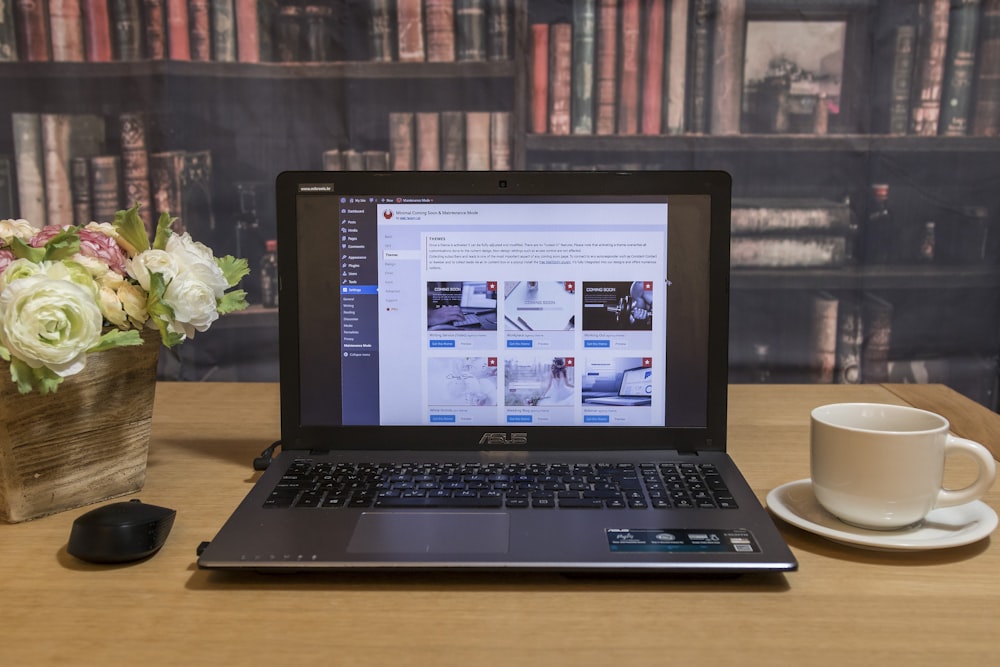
column 311, row 484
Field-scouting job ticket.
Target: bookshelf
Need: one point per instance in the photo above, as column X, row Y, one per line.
column 794, row 132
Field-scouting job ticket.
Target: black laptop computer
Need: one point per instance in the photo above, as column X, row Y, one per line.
column 411, row 440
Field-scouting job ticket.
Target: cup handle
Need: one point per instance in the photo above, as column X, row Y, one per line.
column 987, row 472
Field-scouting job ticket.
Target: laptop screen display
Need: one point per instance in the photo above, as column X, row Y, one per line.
column 424, row 309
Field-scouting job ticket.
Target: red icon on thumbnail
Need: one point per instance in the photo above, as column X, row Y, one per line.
column 491, row 362
column 647, row 362
column 647, row 286
column 570, row 361
column 570, row 286
column 491, row 286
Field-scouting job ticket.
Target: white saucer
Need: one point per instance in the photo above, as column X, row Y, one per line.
column 945, row 527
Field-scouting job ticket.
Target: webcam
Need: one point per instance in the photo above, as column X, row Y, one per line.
column 502, row 183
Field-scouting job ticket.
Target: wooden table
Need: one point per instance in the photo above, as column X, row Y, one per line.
column 843, row 606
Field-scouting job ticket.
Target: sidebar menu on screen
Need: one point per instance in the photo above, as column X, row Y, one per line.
column 359, row 310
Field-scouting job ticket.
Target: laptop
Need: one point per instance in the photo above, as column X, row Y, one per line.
column 405, row 446
column 634, row 388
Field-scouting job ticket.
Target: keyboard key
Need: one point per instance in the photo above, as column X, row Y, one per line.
column 440, row 502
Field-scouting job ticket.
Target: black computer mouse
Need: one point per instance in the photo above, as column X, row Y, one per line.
column 120, row 532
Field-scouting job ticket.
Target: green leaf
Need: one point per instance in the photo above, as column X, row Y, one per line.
column 233, row 269
column 159, row 311
column 22, row 250
column 232, row 301
column 63, row 245
column 4, row 353
column 163, row 231
column 28, row 378
column 130, row 227
column 116, row 338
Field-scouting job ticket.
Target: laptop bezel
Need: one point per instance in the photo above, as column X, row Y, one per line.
column 295, row 435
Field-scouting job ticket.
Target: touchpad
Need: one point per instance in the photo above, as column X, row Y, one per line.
column 430, row 533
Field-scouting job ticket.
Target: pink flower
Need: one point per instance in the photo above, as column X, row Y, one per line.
column 6, row 257
column 92, row 244
column 102, row 247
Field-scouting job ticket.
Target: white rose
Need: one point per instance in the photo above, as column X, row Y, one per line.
column 49, row 322
column 20, row 228
column 151, row 261
column 197, row 259
column 193, row 303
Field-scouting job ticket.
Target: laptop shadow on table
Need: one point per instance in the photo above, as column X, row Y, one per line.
column 211, row 580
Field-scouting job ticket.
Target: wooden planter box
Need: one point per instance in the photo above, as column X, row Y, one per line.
column 86, row 442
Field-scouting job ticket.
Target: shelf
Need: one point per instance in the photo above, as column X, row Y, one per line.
column 862, row 143
column 875, row 277
column 13, row 71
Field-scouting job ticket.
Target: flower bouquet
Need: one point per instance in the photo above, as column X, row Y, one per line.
column 83, row 310
column 67, row 292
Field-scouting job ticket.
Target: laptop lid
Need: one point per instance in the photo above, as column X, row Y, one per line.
column 382, row 273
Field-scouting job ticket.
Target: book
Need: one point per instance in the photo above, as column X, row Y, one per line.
column 932, row 44
column 628, row 71
column 8, row 32
column 540, row 78
column 727, row 68
column 380, row 31
column 823, row 337
column 154, row 16
column 105, row 187
column 410, row 30
column 178, row 30
column 66, row 30
column 582, row 77
column 288, row 38
column 653, row 66
column 960, row 65
column 401, row 141
column 789, row 214
column 317, row 36
column 196, row 206
column 65, row 136
column 877, row 328
column 376, row 160
column 560, row 76
column 165, row 171
column 606, row 75
column 699, row 66
column 333, row 160
column 500, row 140
column 96, row 31
column 452, row 141
column 986, row 114
column 849, row 341
column 787, row 251
column 470, row 30
column 900, row 86
column 80, row 180
column 498, row 30
column 428, row 140
column 223, row 27
column 477, row 140
column 247, row 21
column 440, row 19
column 135, row 166
column 354, row 160
column 32, row 30
column 127, row 34
column 200, row 27
column 29, row 165
column 8, row 189
column 675, row 69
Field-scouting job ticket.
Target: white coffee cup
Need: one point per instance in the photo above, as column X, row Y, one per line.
column 882, row 466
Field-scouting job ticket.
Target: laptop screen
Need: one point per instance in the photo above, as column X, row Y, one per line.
column 500, row 303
